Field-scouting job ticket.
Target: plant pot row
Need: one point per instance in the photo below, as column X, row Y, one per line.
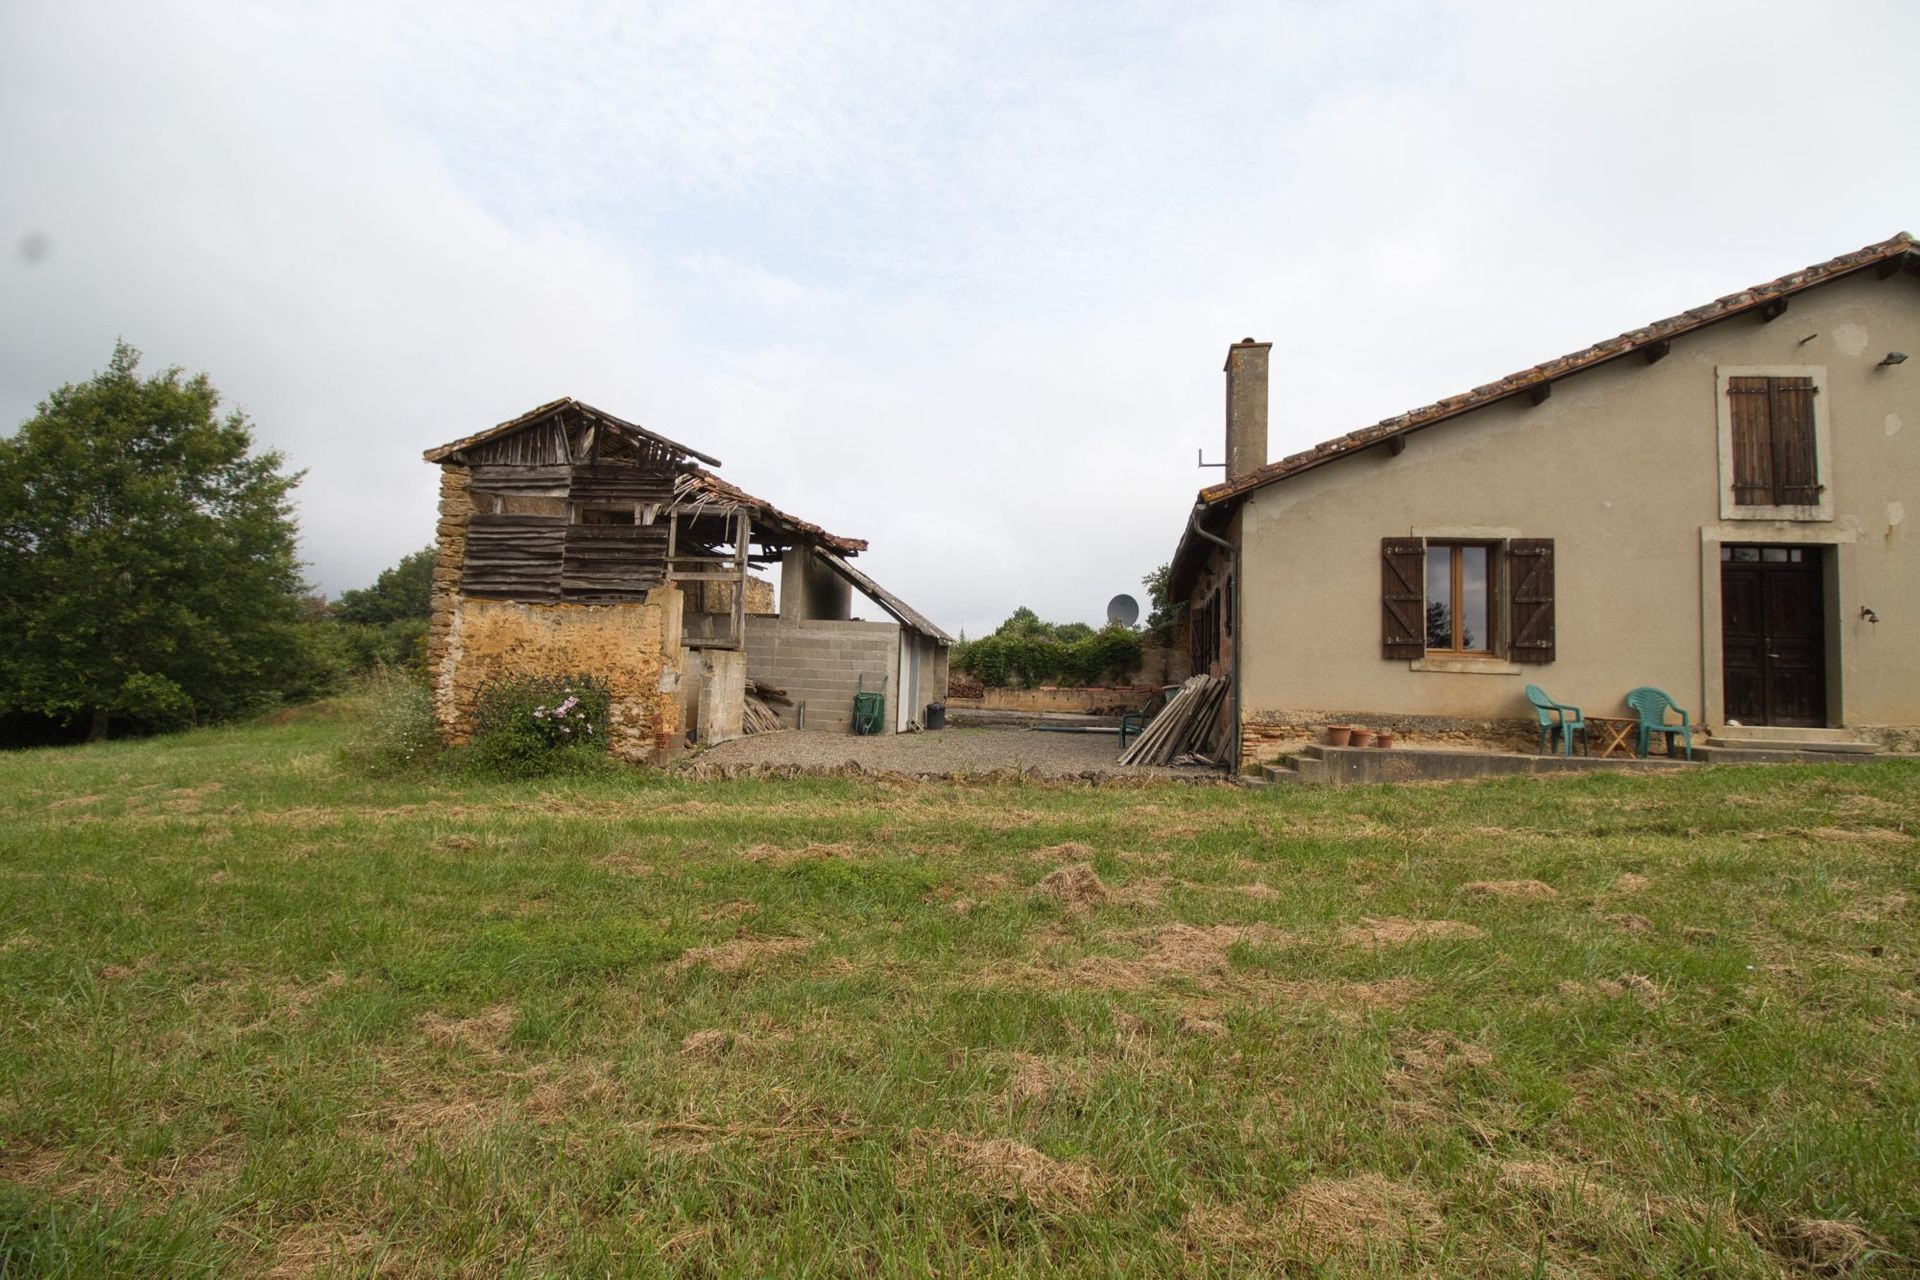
column 1353, row 735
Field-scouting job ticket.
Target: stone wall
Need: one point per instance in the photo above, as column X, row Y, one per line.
column 717, row 597
column 1091, row 700
column 820, row 663
column 1267, row 735
column 633, row 646
column 456, row 512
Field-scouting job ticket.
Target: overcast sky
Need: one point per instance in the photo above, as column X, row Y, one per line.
column 954, row 278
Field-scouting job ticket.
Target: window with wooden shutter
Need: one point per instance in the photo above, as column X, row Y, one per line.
column 1403, row 601
column 1530, row 600
column 1775, row 460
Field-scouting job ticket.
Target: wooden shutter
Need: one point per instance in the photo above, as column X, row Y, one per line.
column 1403, row 598
column 1530, row 600
column 1749, row 400
column 1796, row 481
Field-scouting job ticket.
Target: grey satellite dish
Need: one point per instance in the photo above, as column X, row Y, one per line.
column 1124, row 610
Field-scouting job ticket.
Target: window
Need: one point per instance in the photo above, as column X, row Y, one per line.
column 1773, row 444
column 1459, row 598
column 583, row 514
column 1470, row 600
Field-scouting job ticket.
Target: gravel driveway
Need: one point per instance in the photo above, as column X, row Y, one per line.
column 953, row 750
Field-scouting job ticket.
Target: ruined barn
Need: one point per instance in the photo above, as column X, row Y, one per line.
column 573, row 541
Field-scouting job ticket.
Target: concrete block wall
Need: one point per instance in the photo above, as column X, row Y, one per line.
column 820, row 662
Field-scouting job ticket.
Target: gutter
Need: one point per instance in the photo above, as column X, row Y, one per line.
column 1239, row 591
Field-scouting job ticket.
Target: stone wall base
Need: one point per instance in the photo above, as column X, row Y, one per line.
column 1267, row 735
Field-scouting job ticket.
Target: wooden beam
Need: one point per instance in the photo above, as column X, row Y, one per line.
column 1396, row 445
column 1540, row 392
column 1773, row 310
column 1656, row 351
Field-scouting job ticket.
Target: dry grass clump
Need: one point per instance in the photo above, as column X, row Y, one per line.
column 1035, row 1079
column 1176, row 951
column 1002, row 1169
column 1632, row 882
column 1512, row 888
column 735, row 956
column 1821, row 1246
column 1338, row 1215
column 485, row 1033
column 1192, row 1024
column 1852, row 835
column 1630, row 922
column 1396, row 931
column 713, row 1043
column 728, row 911
column 1069, row 851
column 1076, row 885
column 779, row 856
column 1637, row 985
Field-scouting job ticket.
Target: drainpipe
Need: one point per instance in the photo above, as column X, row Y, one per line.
column 1239, row 591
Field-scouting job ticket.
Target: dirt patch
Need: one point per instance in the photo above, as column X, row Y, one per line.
column 738, row 955
column 1076, row 885
column 776, row 856
column 1512, row 889
column 1632, row 882
column 1642, row 988
column 713, row 1044
column 1821, row 1246
column 1004, row 1170
column 1396, row 931
column 485, row 1033
column 1335, row 1215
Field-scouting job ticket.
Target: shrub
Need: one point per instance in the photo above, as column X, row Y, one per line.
column 396, row 734
column 535, row 726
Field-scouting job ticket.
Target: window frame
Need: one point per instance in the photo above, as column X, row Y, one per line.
column 1496, row 595
column 1731, row 508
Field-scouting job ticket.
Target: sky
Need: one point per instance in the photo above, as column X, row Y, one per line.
column 955, row 278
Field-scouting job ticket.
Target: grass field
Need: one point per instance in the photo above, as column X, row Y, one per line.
column 261, row 1016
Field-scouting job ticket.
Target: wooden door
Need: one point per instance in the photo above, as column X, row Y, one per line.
column 1773, row 635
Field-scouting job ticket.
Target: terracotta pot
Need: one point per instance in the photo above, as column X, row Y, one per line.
column 1338, row 734
column 1383, row 739
column 1362, row 737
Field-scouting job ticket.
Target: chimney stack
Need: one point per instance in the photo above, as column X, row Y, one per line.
column 1246, row 407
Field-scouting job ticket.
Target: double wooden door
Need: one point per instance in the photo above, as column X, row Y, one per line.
column 1773, row 635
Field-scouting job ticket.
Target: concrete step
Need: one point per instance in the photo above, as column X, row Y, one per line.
column 1742, row 741
column 1781, row 753
column 1787, row 733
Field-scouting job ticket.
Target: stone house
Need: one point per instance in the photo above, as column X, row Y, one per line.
column 574, row 542
column 1714, row 504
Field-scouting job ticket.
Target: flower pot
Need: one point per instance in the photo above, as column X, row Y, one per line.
column 1361, row 737
column 1338, row 734
column 1384, row 738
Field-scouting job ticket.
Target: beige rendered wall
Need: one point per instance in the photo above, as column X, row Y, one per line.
column 1620, row 466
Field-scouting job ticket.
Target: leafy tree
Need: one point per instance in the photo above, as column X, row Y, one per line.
column 149, row 557
column 402, row 593
column 1159, row 606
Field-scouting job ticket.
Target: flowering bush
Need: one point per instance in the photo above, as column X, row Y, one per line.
column 530, row 726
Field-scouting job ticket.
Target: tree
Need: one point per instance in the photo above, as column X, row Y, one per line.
column 149, row 557
column 400, row 594
column 1159, row 607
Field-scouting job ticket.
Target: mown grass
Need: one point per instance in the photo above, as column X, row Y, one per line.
column 262, row 1016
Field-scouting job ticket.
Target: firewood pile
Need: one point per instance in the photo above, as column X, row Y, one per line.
column 1187, row 730
column 760, row 716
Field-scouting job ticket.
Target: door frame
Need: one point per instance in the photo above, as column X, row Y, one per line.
column 1775, row 533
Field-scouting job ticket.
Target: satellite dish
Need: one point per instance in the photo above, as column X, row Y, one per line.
column 1124, row 610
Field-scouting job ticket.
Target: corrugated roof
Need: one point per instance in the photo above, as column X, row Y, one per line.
column 1898, row 250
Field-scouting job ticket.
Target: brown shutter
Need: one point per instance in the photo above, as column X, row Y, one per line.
column 1403, row 598
column 1749, row 400
column 1530, row 600
column 1796, row 481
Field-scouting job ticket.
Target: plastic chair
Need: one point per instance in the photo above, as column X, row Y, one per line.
column 1557, row 717
column 1652, row 706
column 1135, row 721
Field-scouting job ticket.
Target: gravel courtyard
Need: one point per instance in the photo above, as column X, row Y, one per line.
column 980, row 749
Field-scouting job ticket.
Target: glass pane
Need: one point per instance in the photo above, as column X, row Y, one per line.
column 1746, row 555
column 1774, row 555
column 1439, row 597
column 1473, row 598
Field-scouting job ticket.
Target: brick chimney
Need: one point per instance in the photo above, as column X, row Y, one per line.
column 1246, row 407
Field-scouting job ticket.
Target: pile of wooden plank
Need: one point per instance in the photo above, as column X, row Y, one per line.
column 760, row 716
column 1187, row 729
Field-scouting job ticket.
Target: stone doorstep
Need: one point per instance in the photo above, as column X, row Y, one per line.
column 1343, row 766
column 1742, row 741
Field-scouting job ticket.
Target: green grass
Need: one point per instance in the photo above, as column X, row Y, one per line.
column 262, row 1016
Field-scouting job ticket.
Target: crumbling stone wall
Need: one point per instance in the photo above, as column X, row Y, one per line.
column 717, row 597
column 456, row 513
column 634, row 646
column 1267, row 735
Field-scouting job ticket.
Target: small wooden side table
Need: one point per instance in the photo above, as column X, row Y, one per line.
column 1616, row 733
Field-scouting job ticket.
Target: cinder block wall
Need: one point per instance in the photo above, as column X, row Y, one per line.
column 819, row 663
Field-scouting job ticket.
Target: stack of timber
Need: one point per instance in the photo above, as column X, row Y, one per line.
column 1187, row 728
column 760, row 717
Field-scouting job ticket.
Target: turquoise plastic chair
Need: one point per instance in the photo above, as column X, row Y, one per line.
column 1557, row 717
column 1135, row 721
column 1652, row 706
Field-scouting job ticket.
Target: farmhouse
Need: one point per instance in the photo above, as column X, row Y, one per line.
column 574, row 542
column 1714, row 504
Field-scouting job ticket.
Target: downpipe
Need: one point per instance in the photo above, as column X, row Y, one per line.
column 1239, row 591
